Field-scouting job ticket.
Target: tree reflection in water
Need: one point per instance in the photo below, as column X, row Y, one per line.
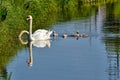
column 111, row 29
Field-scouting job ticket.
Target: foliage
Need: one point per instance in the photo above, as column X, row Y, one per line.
column 117, row 10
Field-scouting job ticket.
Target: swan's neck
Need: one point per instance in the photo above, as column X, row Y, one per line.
column 30, row 30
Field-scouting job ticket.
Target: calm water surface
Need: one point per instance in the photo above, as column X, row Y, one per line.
column 70, row 59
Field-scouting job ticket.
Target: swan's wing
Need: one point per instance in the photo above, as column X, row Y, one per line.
column 42, row 31
column 42, row 34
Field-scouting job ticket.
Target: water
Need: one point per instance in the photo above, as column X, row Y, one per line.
column 90, row 58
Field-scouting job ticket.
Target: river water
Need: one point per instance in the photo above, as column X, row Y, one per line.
column 95, row 57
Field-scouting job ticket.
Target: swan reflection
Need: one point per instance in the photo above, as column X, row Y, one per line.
column 41, row 43
column 30, row 61
column 36, row 43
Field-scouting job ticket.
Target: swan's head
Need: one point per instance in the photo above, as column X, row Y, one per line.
column 29, row 17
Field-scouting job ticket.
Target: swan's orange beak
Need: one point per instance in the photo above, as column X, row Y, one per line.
column 27, row 18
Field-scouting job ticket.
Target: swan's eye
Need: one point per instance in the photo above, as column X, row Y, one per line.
column 28, row 17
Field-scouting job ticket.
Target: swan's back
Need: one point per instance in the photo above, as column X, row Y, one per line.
column 42, row 34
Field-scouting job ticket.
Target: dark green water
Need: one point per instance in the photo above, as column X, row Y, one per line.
column 95, row 57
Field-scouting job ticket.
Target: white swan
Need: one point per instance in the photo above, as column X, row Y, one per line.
column 40, row 34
